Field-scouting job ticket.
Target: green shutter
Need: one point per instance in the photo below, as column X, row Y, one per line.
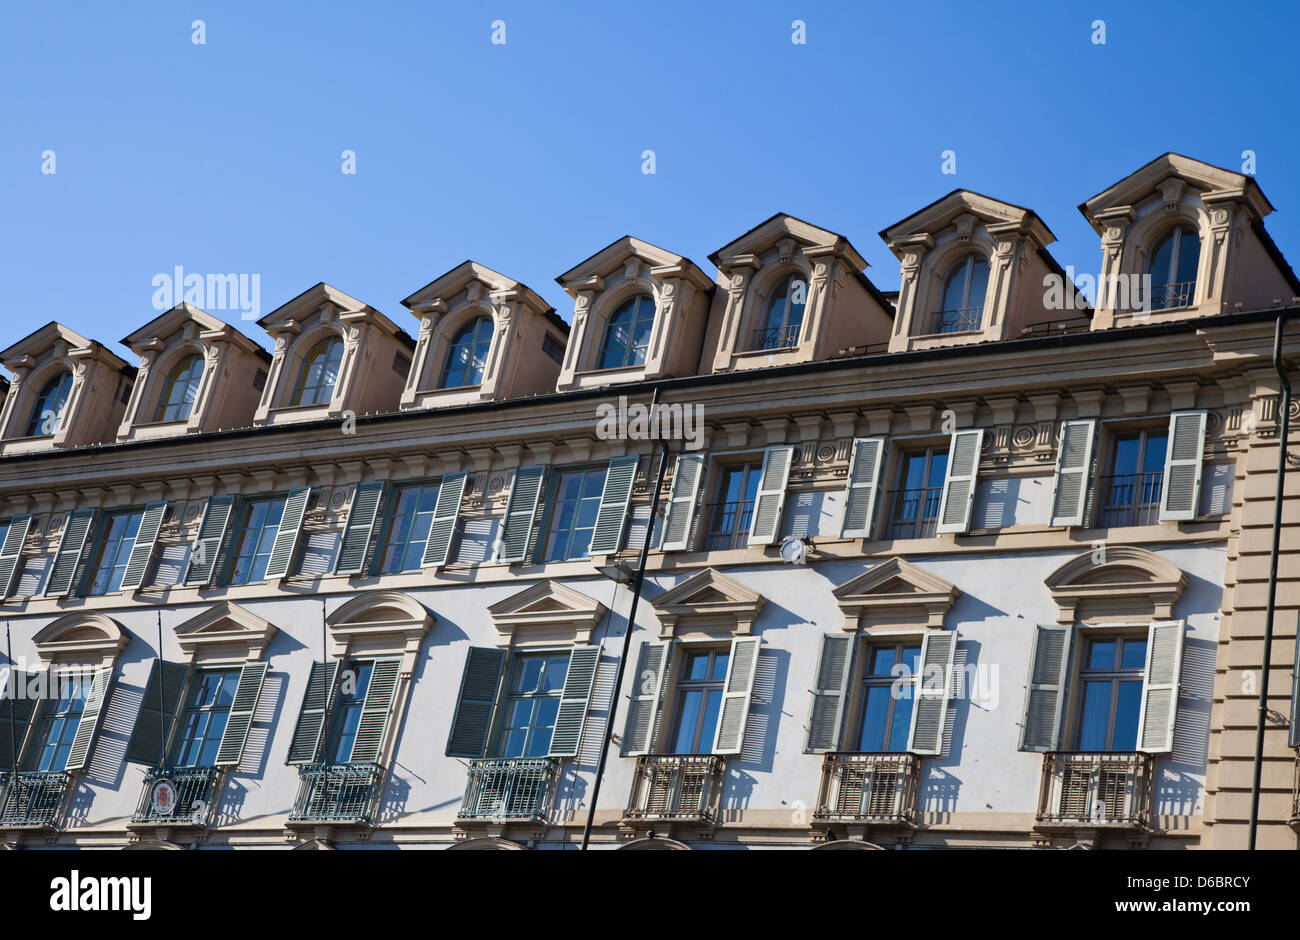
column 71, row 547
column 249, row 688
column 286, row 538
column 1073, row 461
column 930, row 692
column 367, row 499
column 770, row 501
column 91, row 711
column 614, row 501
column 137, row 566
column 11, row 552
column 162, row 697
column 1045, row 691
column 648, row 686
column 862, row 486
column 1160, row 687
column 202, row 566
column 687, row 476
column 736, row 693
column 16, row 711
column 316, row 701
column 959, row 481
column 476, row 703
column 521, row 509
column 1180, row 495
column 375, row 713
column 451, row 491
column 830, row 693
column 575, row 699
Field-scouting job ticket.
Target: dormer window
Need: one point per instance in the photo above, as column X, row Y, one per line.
column 467, row 355
column 961, row 306
column 320, row 370
column 783, row 315
column 181, row 390
column 49, row 405
column 627, row 337
column 1173, row 268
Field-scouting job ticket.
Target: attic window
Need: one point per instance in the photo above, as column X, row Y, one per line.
column 961, row 306
column 783, row 316
column 1173, row 268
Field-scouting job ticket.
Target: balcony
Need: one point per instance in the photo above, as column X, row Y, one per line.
column 1130, row 499
column 336, row 793
column 868, row 787
column 913, row 514
column 777, row 337
column 682, row 787
column 1095, row 789
column 1064, row 327
column 508, row 788
column 34, row 800
column 728, row 525
column 196, row 789
column 957, row 320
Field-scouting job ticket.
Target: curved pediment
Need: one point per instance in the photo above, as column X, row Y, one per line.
column 224, row 633
column 380, row 623
column 898, row 591
column 709, row 599
column 81, row 636
column 1118, row 582
column 547, row 609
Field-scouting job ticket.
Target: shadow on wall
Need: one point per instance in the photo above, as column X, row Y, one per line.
column 761, row 727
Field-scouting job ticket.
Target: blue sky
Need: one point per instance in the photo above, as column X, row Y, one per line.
column 226, row 157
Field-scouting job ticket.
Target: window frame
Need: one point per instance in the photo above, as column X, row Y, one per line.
column 95, row 561
column 506, row 697
column 634, row 303
column 393, row 500
column 551, row 502
column 50, row 388
column 783, row 285
column 966, row 263
column 721, row 466
column 243, row 509
column 1111, row 434
column 49, row 714
column 1175, row 233
column 325, row 345
column 192, row 363
column 900, row 450
column 1084, row 636
column 468, row 329
column 863, row 679
column 188, row 708
column 678, row 686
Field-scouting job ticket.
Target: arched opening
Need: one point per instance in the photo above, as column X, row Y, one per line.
column 320, row 371
column 467, row 355
column 180, row 390
column 48, row 410
column 627, row 335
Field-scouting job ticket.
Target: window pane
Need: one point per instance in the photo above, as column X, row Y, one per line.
column 709, row 727
column 875, row 715
column 719, row 671
column 938, row 467
column 1101, row 654
column 1189, row 254
column 697, row 667
column 1126, row 716
column 1153, row 458
column 557, row 667
column 688, row 718
column 1135, row 653
column 1096, row 713
column 902, row 721
column 1125, row 459
column 1160, row 261
column 882, row 660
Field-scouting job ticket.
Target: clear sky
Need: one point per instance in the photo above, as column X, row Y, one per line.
column 226, row 156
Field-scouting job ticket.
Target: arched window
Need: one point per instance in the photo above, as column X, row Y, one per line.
column 49, row 405
column 320, row 370
column 467, row 355
column 628, row 334
column 784, row 315
column 177, row 402
column 961, row 306
column 1173, row 268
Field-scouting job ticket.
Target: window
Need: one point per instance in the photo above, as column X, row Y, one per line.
column 532, row 703
column 574, row 504
column 49, row 406
column 211, row 693
column 58, row 724
column 961, row 307
column 177, row 402
column 1173, row 268
column 254, row 540
column 467, row 355
column 1110, row 692
column 783, row 315
column 887, row 697
column 353, row 685
column 408, row 526
column 699, row 701
column 1130, row 493
column 628, row 334
column 914, row 504
column 116, row 540
column 320, row 370
column 732, row 513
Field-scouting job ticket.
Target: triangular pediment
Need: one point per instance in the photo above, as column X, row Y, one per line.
column 616, row 255
column 1147, row 180
column 782, row 227
column 61, row 340
column 185, row 318
column 709, row 588
column 964, row 207
column 224, row 630
column 896, row 577
column 310, row 302
column 547, row 604
column 469, row 275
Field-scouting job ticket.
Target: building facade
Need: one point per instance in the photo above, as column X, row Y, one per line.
column 970, row 564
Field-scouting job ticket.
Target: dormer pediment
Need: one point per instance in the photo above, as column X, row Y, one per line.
column 478, row 281
column 187, row 323
column 1169, row 176
column 322, row 302
column 962, row 211
column 545, row 612
column 224, row 634
column 613, row 260
column 782, row 235
column 895, row 592
column 709, row 599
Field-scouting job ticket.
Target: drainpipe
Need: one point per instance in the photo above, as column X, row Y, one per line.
column 1284, row 425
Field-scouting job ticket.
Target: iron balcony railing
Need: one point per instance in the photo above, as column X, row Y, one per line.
column 777, row 337
column 728, row 525
column 191, row 805
column 509, row 788
column 34, row 799
column 685, row 787
column 344, row 793
column 1130, row 499
column 1058, row 327
column 957, row 320
column 1103, row 788
column 1294, row 822
column 1169, row 296
column 913, row 514
column 868, row 787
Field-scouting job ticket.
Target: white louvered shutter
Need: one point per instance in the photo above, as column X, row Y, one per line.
column 162, row 697
column 202, row 567
column 367, row 500
column 11, row 552
column 521, row 510
column 862, row 486
column 648, row 685
column 146, row 540
column 829, row 694
column 286, row 538
column 1073, row 461
column 451, row 492
column 575, row 699
column 614, row 500
column 687, row 476
column 476, row 703
column 1181, row 493
column 959, row 481
column 88, row 724
column 736, row 693
column 247, row 691
column 316, row 702
column 930, row 690
column 71, row 546
column 770, row 500
column 376, row 711
column 1045, row 692
column 1160, row 687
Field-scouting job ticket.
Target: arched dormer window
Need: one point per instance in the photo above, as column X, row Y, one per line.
column 1173, row 268
column 467, row 355
column 961, row 305
column 627, row 337
column 49, row 405
column 320, row 370
column 180, row 390
column 783, row 315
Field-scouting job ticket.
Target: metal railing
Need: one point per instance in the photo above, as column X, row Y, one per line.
column 1169, row 296
column 34, row 799
column 957, row 320
column 336, row 792
column 1294, row 822
column 1058, row 327
column 870, row 787
column 508, row 788
column 1103, row 788
column 1130, row 499
column 777, row 337
column 191, row 805
column 728, row 525
column 913, row 514
column 676, row 786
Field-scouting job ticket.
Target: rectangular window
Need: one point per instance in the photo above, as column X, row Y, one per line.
column 113, row 551
column 259, row 524
column 1110, row 692
column 731, row 514
column 699, row 701
column 58, row 724
column 573, row 503
column 914, row 503
column 354, row 682
column 203, row 720
column 1130, row 491
column 532, row 703
column 406, row 531
column 886, row 716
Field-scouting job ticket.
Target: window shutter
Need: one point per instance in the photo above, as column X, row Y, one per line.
column 863, row 484
column 445, row 512
column 376, row 711
column 153, row 723
column 231, row 750
column 1045, row 690
column 687, row 476
column 930, row 692
column 521, row 509
column 11, row 552
column 316, row 700
column 771, row 495
column 71, row 546
column 1160, row 687
column 476, row 703
column 15, row 716
column 137, row 566
column 212, row 532
column 959, row 481
column 89, row 723
column 1073, row 458
column 366, row 500
column 1180, row 495
column 830, row 693
column 286, row 539
column 741, row 668
column 574, row 701
column 647, row 698
column 614, row 500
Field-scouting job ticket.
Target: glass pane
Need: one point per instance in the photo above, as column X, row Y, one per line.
column 979, row 283
column 882, row 660
column 913, row 472
column 1160, row 261
column 530, row 674
column 1125, row 459
column 688, row 718
column 557, row 667
column 875, row 715
column 1101, row 654
column 912, row 659
column 1095, row 715
column 938, row 467
column 902, row 721
column 955, row 289
column 1135, row 653
column 1189, row 254
column 1126, row 716
column 697, row 667
column 709, row 727
column 1153, row 458
column 719, row 671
